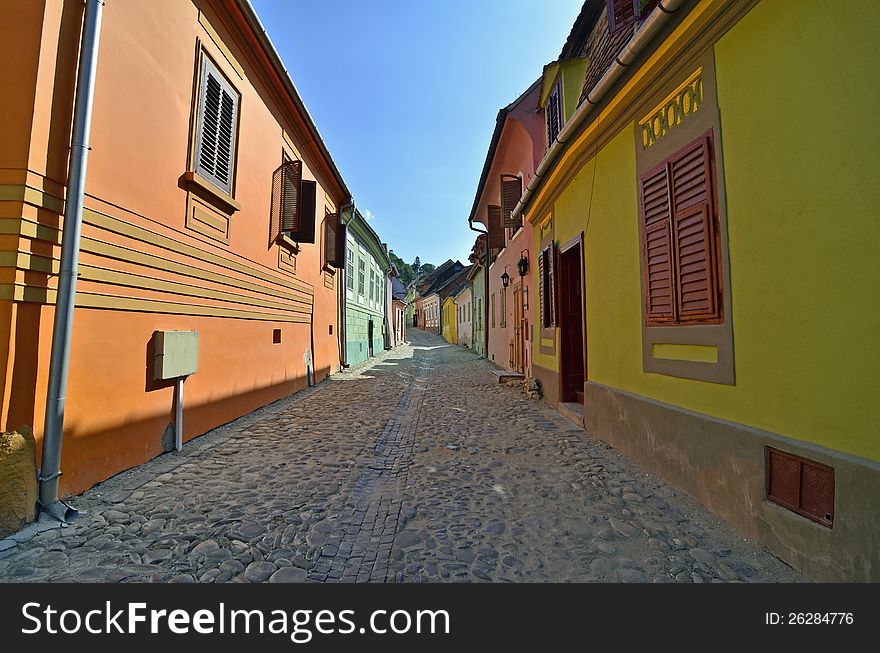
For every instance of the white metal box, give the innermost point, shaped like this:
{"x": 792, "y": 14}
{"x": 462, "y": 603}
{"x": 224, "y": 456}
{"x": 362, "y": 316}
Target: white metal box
{"x": 176, "y": 354}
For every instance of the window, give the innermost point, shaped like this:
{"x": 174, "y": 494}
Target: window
{"x": 503, "y": 307}
{"x": 362, "y": 274}
{"x": 372, "y": 284}
{"x": 334, "y": 239}
{"x": 547, "y": 287}
{"x": 511, "y": 191}
{"x": 625, "y": 12}
{"x": 217, "y": 122}
{"x": 679, "y": 238}
{"x": 349, "y": 268}
{"x": 553, "y": 114}
{"x": 493, "y": 310}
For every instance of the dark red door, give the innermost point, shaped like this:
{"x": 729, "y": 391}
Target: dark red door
{"x": 571, "y": 322}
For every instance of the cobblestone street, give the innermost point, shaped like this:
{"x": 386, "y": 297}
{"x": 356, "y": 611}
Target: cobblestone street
{"x": 416, "y": 467}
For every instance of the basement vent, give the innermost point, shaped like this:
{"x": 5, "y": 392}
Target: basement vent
{"x": 801, "y": 485}
{"x": 276, "y": 336}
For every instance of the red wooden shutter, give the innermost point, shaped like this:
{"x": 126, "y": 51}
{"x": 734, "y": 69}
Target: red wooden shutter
{"x": 657, "y": 260}
{"x": 511, "y": 191}
{"x": 286, "y": 182}
{"x": 496, "y": 229}
{"x": 693, "y": 232}
{"x": 622, "y": 13}
{"x": 305, "y": 233}
{"x": 542, "y": 307}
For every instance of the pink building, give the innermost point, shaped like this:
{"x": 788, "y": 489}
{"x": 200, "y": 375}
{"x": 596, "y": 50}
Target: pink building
{"x": 515, "y": 150}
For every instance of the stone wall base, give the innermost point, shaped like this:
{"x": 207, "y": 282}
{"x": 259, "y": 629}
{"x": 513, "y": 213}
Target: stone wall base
{"x": 18, "y": 480}
{"x": 722, "y": 465}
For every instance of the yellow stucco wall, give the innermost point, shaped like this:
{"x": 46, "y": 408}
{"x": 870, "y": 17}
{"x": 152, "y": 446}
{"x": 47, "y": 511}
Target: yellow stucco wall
{"x": 799, "y": 151}
{"x": 449, "y": 321}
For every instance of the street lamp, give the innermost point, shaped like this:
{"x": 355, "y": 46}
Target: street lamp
{"x": 523, "y": 263}
{"x": 505, "y": 278}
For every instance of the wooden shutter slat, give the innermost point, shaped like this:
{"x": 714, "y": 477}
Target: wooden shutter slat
{"x": 496, "y": 229}
{"x": 511, "y": 191}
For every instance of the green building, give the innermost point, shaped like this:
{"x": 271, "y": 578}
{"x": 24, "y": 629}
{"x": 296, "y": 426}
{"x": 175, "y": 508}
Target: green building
{"x": 366, "y": 291}
{"x": 476, "y": 281}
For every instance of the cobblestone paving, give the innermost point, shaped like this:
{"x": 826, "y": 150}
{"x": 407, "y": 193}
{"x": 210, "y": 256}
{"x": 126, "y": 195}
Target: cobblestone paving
{"x": 416, "y": 467}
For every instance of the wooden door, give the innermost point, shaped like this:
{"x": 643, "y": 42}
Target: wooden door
{"x": 571, "y": 323}
{"x": 517, "y": 328}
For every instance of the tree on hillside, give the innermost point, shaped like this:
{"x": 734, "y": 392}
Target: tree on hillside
{"x": 427, "y": 268}
{"x": 404, "y": 270}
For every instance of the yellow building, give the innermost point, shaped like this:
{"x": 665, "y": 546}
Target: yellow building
{"x": 449, "y": 321}
{"x": 706, "y": 246}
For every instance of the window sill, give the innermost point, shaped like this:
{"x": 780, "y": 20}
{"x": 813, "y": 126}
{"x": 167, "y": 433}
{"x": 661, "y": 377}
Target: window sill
{"x": 195, "y": 182}
{"x": 286, "y": 241}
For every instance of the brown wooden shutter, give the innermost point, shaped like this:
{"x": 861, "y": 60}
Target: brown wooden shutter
{"x": 496, "y": 229}
{"x": 306, "y": 222}
{"x": 331, "y": 240}
{"x": 693, "y": 231}
{"x": 511, "y": 191}
{"x": 622, "y": 13}
{"x": 657, "y": 261}
{"x": 542, "y": 307}
{"x": 554, "y": 115}
{"x": 551, "y": 283}
{"x": 341, "y": 235}
{"x": 286, "y": 183}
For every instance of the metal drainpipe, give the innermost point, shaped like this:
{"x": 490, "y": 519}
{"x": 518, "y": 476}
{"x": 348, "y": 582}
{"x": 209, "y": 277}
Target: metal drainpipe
{"x": 50, "y": 468}
{"x": 485, "y": 290}
{"x": 343, "y": 350}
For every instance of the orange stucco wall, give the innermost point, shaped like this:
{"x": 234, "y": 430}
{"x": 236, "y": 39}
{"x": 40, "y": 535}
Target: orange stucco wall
{"x": 142, "y": 268}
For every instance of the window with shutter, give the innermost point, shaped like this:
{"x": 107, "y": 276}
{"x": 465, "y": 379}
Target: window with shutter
{"x": 679, "y": 238}
{"x": 553, "y": 114}
{"x": 217, "y": 121}
{"x": 333, "y": 242}
{"x": 511, "y": 191}
{"x": 496, "y": 229}
{"x": 362, "y": 274}
{"x": 349, "y": 269}
{"x": 503, "y": 307}
{"x": 547, "y": 286}
{"x": 286, "y": 184}
{"x": 304, "y": 227}
{"x": 625, "y": 12}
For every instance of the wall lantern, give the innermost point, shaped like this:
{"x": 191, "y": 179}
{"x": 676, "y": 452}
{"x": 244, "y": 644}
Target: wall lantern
{"x": 523, "y": 264}
{"x": 505, "y": 278}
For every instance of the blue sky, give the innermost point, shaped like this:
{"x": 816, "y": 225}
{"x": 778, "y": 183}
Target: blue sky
{"x": 405, "y": 95}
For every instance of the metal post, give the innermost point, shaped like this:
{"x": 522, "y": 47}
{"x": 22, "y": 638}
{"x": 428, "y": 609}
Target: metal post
{"x": 178, "y": 413}
{"x": 50, "y": 468}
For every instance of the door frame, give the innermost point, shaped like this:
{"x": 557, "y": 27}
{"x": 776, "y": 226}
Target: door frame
{"x": 575, "y": 242}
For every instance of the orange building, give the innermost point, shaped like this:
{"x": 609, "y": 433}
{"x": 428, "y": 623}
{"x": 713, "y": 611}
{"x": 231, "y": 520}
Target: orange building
{"x": 193, "y": 116}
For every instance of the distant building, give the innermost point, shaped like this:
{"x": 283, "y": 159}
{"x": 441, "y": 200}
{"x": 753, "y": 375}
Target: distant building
{"x": 367, "y": 264}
